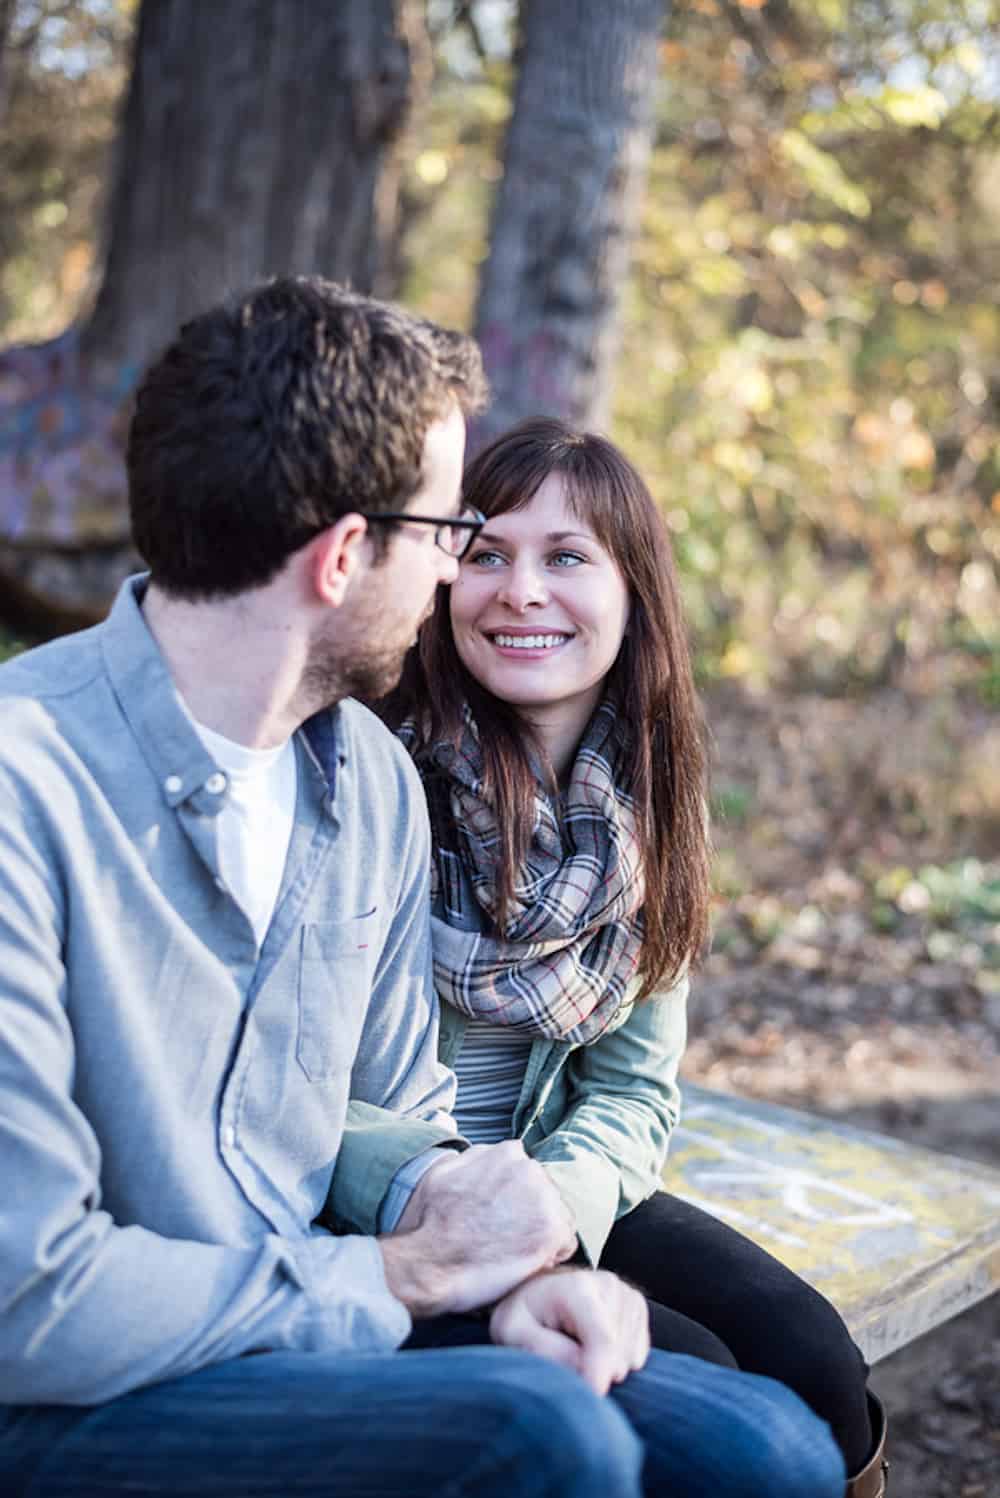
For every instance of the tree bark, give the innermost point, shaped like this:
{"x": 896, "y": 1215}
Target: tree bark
{"x": 257, "y": 137}
{"x": 574, "y": 167}
{"x": 6, "y": 22}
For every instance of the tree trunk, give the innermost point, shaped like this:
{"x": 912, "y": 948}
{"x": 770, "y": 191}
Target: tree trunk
{"x": 257, "y": 137}
{"x": 6, "y": 23}
{"x": 574, "y": 167}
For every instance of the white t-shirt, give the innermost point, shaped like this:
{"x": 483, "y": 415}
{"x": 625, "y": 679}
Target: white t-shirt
{"x": 255, "y": 823}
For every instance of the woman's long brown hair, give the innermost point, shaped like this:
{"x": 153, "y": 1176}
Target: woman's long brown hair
{"x": 651, "y": 680}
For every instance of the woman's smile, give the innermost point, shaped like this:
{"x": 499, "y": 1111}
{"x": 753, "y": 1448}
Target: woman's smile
{"x": 527, "y": 646}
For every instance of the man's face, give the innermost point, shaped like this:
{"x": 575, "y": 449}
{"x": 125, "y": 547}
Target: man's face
{"x": 392, "y": 597}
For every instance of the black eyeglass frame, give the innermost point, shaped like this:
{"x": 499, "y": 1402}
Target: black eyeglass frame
{"x": 470, "y": 520}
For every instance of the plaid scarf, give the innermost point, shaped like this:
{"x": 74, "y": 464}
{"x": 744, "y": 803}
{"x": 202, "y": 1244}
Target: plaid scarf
{"x": 573, "y": 935}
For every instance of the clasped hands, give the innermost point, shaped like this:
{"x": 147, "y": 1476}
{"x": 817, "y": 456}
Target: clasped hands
{"x": 488, "y": 1228}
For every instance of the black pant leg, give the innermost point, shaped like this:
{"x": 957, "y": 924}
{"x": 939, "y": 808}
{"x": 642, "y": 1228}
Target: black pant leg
{"x": 772, "y": 1320}
{"x": 670, "y": 1331}
{"x": 453, "y": 1330}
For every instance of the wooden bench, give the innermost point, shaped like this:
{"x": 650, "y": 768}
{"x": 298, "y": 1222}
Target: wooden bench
{"x": 899, "y": 1238}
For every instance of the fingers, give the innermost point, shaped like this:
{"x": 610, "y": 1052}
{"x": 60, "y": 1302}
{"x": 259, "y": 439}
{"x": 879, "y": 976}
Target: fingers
{"x": 640, "y": 1332}
{"x": 515, "y": 1326}
{"x": 477, "y": 1282}
{"x": 566, "y": 1249}
{"x": 606, "y": 1319}
{"x": 630, "y": 1312}
{"x": 604, "y": 1353}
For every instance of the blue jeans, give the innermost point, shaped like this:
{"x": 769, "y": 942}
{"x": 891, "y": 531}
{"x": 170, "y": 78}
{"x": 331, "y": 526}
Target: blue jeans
{"x": 484, "y": 1421}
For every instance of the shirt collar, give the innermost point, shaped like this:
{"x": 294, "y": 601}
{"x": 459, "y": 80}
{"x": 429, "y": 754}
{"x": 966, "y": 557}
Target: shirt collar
{"x": 156, "y": 714}
{"x": 150, "y": 700}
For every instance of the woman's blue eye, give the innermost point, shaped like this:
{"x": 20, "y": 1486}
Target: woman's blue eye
{"x": 490, "y": 559}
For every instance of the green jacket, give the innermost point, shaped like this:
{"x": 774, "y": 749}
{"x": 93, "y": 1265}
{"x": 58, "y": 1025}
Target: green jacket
{"x": 599, "y": 1117}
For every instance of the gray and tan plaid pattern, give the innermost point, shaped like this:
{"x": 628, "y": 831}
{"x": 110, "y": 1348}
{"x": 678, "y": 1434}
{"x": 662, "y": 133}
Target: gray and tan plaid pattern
{"x": 573, "y": 936}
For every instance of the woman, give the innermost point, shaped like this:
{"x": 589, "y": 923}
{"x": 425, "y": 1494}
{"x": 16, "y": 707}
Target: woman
{"x": 551, "y": 711}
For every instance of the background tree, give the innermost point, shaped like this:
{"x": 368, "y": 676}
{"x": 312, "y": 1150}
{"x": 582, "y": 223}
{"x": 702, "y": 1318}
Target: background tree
{"x": 6, "y": 22}
{"x": 256, "y": 134}
{"x": 810, "y": 328}
{"x": 566, "y": 207}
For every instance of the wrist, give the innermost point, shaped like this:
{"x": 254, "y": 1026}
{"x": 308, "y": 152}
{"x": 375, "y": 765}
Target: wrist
{"x": 411, "y": 1276}
{"x": 412, "y": 1215}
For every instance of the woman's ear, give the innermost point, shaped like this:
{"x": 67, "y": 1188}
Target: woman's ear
{"x": 336, "y": 556}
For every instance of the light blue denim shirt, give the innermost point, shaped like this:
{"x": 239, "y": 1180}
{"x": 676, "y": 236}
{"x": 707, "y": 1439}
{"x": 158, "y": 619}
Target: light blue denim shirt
{"x": 172, "y": 1098}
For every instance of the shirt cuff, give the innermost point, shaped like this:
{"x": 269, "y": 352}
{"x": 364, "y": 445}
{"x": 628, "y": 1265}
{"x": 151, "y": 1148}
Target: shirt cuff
{"x": 402, "y": 1187}
{"x": 345, "y": 1305}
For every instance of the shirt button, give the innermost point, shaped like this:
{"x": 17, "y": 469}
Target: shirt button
{"x": 229, "y": 1136}
{"x": 216, "y": 783}
{"x": 172, "y": 784}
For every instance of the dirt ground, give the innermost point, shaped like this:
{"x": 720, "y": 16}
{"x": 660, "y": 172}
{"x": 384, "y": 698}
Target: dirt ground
{"x": 827, "y": 991}
{"x": 943, "y": 1391}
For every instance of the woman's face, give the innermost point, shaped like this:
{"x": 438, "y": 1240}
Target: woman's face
{"x": 539, "y": 610}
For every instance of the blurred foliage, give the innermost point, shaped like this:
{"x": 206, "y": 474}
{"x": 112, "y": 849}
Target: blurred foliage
{"x": 945, "y": 917}
{"x": 814, "y": 313}
{"x": 8, "y": 646}
{"x": 810, "y": 372}
{"x": 955, "y": 892}
{"x": 810, "y": 368}
{"x": 64, "y": 66}
{"x": 809, "y": 379}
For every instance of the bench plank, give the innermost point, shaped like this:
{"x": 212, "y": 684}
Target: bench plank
{"x": 899, "y": 1238}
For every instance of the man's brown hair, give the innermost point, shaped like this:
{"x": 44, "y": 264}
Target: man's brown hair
{"x": 275, "y": 413}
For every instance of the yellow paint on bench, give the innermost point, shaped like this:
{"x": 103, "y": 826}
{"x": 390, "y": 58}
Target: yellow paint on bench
{"x": 899, "y": 1238}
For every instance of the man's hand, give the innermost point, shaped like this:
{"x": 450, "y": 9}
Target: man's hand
{"x": 477, "y": 1224}
{"x": 585, "y": 1319}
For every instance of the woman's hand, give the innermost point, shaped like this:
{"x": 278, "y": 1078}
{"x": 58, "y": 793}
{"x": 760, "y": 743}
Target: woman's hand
{"x": 585, "y": 1319}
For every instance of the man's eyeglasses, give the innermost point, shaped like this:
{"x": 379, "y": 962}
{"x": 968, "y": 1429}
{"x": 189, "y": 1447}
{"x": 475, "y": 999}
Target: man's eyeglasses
{"x": 454, "y": 535}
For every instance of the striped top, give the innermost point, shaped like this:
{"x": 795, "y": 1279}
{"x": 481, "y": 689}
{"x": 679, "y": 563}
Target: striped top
{"x": 490, "y": 1068}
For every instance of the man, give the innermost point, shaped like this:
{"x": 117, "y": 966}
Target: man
{"x": 213, "y": 931}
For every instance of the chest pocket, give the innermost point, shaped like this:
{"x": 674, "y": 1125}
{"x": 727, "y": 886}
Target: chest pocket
{"x": 336, "y": 964}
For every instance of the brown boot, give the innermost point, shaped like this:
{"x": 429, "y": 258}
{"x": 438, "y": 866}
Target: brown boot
{"x": 871, "y": 1481}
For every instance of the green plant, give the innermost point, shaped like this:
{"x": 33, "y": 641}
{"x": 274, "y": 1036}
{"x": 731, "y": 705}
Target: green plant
{"x": 8, "y": 646}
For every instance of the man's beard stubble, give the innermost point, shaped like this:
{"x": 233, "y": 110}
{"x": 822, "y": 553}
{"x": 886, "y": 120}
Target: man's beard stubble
{"x": 370, "y": 674}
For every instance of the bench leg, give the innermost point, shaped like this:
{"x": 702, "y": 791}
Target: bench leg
{"x": 871, "y": 1481}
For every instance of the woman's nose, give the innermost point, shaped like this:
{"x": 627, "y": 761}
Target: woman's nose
{"x": 523, "y": 586}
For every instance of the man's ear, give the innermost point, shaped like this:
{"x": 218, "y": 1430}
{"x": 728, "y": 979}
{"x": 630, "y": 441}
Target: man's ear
{"x": 336, "y": 556}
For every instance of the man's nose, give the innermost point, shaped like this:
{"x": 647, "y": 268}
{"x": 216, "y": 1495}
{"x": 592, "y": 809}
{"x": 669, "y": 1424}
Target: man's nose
{"x": 523, "y": 586}
{"x": 449, "y": 568}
